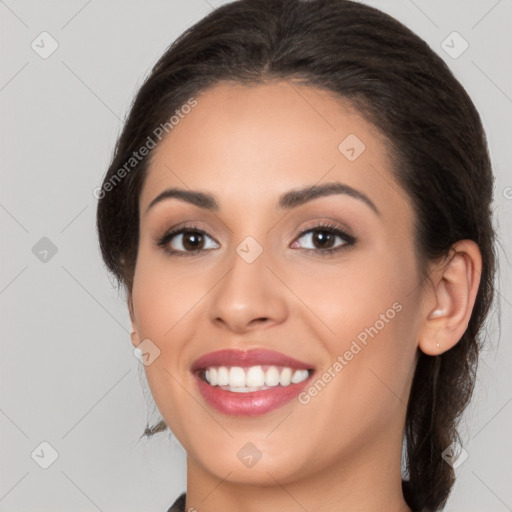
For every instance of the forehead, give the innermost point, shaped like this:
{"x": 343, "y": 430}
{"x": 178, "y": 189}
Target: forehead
{"x": 254, "y": 142}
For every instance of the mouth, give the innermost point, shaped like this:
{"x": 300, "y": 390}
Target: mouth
{"x": 249, "y": 382}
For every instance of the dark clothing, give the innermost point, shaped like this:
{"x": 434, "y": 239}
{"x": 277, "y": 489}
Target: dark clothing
{"x": 179, "y": 504}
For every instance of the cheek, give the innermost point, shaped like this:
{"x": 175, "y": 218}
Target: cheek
{"x": 162, "y": 297}
{"x": 159, "y": 305}
{"x": 366, "y": 314}
{"x": 345, "y": 298}
{"x": 161, "y": 302}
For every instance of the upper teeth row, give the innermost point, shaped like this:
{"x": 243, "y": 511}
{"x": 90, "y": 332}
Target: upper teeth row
{"x": 254, "y": 376}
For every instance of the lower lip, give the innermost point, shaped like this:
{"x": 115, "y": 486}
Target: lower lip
{"x": 252, "y": 403}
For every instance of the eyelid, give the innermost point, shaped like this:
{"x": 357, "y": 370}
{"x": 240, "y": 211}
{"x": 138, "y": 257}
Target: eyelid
{"x": 327, "y": 222}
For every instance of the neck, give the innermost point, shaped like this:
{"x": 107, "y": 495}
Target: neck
{"x": 368, "y": 479}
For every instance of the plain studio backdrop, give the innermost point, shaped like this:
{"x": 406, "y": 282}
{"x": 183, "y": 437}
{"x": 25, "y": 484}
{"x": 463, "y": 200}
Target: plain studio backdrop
{"x": 72, "y": 398}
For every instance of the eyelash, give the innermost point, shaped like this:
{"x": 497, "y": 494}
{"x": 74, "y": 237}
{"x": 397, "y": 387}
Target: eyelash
{"x": 329, "y": 228}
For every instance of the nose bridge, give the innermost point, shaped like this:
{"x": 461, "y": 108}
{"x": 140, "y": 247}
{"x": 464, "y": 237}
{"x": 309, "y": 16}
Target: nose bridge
{"x": 248, "y": 293}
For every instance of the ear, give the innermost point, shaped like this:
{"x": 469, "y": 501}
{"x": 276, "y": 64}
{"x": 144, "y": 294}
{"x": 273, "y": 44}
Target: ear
{"x": 135, "y": 333}
{"x": 453, "y": 297}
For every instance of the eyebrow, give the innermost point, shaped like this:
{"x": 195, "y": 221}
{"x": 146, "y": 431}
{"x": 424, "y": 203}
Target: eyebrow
{"x": 287, "y": 201}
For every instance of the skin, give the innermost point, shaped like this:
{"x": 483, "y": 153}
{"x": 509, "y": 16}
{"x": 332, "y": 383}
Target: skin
{"x": 247, "y": 146}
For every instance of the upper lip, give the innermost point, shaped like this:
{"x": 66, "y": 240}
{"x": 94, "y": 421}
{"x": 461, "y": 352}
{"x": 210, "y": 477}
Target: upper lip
{"x": 244, "y": 358}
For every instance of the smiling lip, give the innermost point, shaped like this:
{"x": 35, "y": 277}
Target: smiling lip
{"x": 244, "y": 358}
{"x": 254, "y": 402}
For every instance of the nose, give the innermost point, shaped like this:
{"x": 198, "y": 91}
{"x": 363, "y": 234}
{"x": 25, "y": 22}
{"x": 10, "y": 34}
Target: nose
{"x": 249, "y": 296}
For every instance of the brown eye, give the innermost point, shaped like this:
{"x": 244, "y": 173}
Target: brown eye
{"x": 323, "y": 239}
{"x": 192, "y": 240}
{"x": 186, "y": 240}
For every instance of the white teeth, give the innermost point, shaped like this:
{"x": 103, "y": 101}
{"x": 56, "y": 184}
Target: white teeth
{"x": 272, "y": 376}
{"x": 285, "y": 377}
{"x": 299, "y": 376}
{"x": 222, "y": 376}
{"x": 236, "y": 377}
{"x": 253, "y": 378}
{"x": 212, "y": 376}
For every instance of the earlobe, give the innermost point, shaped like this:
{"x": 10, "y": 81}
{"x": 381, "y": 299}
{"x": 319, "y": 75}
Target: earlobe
{"x": 437, "y": 313}
{"x": 454, "y": 292}
{"x": 135, "y": 338}
{"x": 134, "y": 332}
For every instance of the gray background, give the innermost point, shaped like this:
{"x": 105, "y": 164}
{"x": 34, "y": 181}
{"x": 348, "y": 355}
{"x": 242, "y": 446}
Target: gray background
{"x": 68, "y": 373}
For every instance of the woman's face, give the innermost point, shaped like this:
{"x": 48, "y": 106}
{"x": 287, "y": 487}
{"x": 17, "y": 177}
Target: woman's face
{"x": 259, "y": 275}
